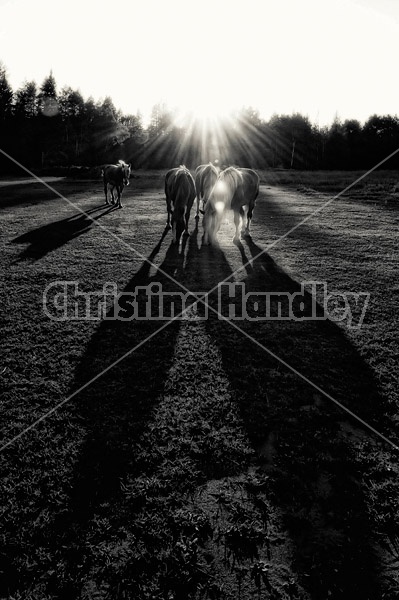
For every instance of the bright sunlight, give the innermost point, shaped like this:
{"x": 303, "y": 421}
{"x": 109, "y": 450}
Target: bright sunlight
{"x": 211, "y": 57}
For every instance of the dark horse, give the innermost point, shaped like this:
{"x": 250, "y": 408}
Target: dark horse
{"x": 205, "y": 179}
{"x": 237, "y": 190}
{"x": 180, "y": 194}
{"x": 115, "y": 176}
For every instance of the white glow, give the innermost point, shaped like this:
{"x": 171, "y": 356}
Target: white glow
{"x": 219, "y": 206}
{"x": 318, "y": 58}
{"x": 220, "y": 186}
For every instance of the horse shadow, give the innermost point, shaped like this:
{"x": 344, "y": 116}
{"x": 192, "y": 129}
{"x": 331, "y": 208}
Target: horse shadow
{"x": 51, "y": 236}
{"x": 298, "y": 437}
{"x": 116, "y": 408}
{"x": 303, "y": 442}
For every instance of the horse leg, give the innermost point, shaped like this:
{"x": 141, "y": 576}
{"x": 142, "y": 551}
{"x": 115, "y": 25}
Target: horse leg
{"x": 119, "y": 191}
{"x": 205, "y": 225}
{"x": 209, "y": 235}
{"x": 237, "y": 218}
{"x": 188, "y": 212}
{"x": 249, "y": 217}
{"x": 106, "y": 192}
{"x": 174, "y": 226}
{"x": 168, "y": 210}
{"x": 244, "y": 216}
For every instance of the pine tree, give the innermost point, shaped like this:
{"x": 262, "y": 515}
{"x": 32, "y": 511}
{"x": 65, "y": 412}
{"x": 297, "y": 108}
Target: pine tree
{"x": 26, "y": 100}
{"x": 6, "y": 95}
{"x": 48, "y": 99}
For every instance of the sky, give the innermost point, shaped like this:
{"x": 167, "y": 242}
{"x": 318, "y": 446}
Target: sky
{"x": 322, "y": 58}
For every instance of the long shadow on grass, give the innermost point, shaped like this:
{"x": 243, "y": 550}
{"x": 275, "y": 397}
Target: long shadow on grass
{"x": 301, "y": 443}
{"x": 114, "y": 412}
{"x": 302, "y": 439}
{"x": 49, "y": 237}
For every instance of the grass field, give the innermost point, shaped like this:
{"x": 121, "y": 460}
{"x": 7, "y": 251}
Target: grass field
{"x": 210, "y": 461}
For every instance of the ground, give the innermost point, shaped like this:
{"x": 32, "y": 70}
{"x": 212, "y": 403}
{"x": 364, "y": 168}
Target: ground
{"x": 200, "y": 457}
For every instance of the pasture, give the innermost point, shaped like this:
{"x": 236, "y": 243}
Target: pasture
{"x": 200, "y": 465}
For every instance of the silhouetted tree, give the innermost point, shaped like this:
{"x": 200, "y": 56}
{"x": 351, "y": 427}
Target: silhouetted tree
{"x": 381, "y": 137}
{"x": 291, "y": 141}
{"x": 6, "y": 122}
{"x": 43, "y": 128}
{"x": 47, "y": 97}
{"x": 336, "y": 151}
{"x": 353, "y": 139}
{"x": 26, "y": 101}
{"x": 71, "y": 106}
{"x": 6, "y": 95}
{"x": 134, "y": 125}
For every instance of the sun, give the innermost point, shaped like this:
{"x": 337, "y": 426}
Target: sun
{"x": 205, "y": 116}
{"x": 206, "y": 112}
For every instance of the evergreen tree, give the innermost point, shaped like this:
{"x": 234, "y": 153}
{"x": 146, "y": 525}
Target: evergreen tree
{"x": 48, "y": 104}
{"x": 26, "y": 101}
{"x": 6, "y": 95}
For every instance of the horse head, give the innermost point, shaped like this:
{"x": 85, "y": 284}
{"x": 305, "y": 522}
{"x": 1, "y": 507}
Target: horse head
{"x": 126, "y": 170}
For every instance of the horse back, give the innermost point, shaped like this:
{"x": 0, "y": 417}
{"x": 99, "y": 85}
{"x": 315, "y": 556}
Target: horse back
{"x": 113, "y": 174}
{"x": 180, "y": 189}
{"x": 205, "y": 178}
{"x": 251, "y": 181}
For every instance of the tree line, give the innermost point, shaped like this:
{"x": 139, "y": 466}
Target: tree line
{"x": 44, "y": 128}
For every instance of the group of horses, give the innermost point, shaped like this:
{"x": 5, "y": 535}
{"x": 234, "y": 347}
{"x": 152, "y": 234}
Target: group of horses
{"x": 233, "y": 189}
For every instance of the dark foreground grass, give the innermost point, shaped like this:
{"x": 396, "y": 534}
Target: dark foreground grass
{"x": 199, "y": 466}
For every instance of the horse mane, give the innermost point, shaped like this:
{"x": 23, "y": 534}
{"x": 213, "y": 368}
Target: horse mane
{"x": 233, "y": 175}
{"x": 225, "y": 187}
{"x": 208, "y": 172}
{"x": 122, "y": 163}
{"x": 182, "y": 173}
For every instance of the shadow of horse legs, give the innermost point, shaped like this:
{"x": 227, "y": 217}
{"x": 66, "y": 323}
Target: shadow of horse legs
{"x": 302, "y": 439}
{"x": 49, "y": 237}
{"x": 115, "y": 411}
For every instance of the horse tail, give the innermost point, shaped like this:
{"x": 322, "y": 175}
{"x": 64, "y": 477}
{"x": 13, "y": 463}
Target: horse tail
{"x": 207, "y": 175}
{"x": 201, "y": 182}
{"x": 181, "y": 193}
{"x": 257, "y": 187}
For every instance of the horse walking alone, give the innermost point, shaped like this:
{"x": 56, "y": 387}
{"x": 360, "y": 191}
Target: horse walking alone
{"x": 115, "y": 176}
